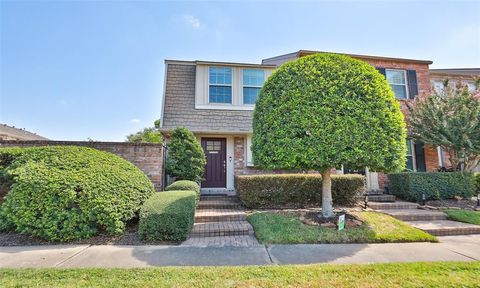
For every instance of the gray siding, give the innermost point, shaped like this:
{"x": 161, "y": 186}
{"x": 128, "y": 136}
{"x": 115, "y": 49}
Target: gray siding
{"x": 179, "y": 106}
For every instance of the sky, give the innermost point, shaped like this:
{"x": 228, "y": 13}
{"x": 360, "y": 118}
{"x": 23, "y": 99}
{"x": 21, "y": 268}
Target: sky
{"x": 78, "y": 70}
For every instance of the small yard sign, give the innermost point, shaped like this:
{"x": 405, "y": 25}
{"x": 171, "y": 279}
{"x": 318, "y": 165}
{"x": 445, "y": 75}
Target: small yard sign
{"x": 341, "y": 222}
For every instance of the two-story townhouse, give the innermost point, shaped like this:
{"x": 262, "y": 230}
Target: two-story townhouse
{"x": 215, "y": 100}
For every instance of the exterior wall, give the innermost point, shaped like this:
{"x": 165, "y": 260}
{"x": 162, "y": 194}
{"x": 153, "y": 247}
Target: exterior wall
{"x": 179, "y": 106}
{"x": 147, "y": 157}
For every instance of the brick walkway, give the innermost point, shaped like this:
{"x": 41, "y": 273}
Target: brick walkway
{"x": 221, "y": 221}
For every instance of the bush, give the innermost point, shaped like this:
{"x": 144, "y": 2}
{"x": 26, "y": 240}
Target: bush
{"x": 185, "y": 159}
{"x": 436, "y": 185}
{"x": 67, "y": 192}
{"x": 167, "y": 216}
{"x": 183, "y": 185}
{"x": 296, "y": 190}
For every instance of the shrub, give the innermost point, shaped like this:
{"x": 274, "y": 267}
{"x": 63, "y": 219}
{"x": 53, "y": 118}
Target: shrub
{"x": 67, "y": 192}
{"x": 436, "y": 185}
{"x": 185, "y": 159}
{"x": 183, "y": 185}
{"x": 326, "y": 110}
{"x": 167, "y": 216}
{"x": 296, "y": 190}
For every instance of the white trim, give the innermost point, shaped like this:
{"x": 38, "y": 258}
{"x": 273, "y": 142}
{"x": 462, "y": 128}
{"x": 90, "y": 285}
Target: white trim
{"x": 162, "y": 109}
{"x": 440, "y": 157}
{"x": 218, "y": 106}
{"x": 407, "y": 96}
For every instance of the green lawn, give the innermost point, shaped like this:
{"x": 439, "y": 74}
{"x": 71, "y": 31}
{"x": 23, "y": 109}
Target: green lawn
{"x": 439, "y": 274}
{"x": 278, "y": 228}
{"x": 467, "y": 216}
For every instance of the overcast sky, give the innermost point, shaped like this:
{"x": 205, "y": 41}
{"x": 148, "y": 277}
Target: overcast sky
{"x": 76, "y": 69}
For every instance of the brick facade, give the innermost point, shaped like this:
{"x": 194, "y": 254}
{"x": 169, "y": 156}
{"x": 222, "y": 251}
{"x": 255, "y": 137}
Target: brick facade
{"x": 147, "y": 157}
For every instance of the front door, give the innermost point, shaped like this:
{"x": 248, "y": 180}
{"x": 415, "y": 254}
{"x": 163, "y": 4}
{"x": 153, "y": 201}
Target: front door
{"x": 216, "y": 169}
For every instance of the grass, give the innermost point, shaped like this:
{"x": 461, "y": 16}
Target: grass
{"x": 278, "y": 228}
{"x": 439, "y": 274}
{"x": 467, "y": 216}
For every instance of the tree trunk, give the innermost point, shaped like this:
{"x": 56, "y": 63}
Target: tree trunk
{"x": 327, "y": 202}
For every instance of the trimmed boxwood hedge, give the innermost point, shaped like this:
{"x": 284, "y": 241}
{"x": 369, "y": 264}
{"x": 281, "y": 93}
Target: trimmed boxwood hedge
{"x": 167, "y": 216}
{"x": 436, "y": 185}
{"x": 63, "y": 193}
{"x": 277, "y": 191}
{"x": 182, "y": 185}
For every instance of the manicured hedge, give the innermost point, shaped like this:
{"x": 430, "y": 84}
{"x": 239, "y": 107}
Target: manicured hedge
{"x": 296, "y": 190}
{"x": 167, "y": 216}
{"x": 436, "y": 185}
{"x": 182, "y": 185}
{"x": 67, "y": 192}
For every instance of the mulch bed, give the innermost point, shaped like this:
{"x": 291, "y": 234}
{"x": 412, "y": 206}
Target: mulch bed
{"x": 313, "y": 217}
{"x": 453, "y": 203}
{"x": 129, "y": 237}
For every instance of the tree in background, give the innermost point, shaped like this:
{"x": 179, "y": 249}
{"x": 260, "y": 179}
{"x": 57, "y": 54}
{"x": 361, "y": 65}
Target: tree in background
{"x": 324, "y": 111}
{"x": 449, "y": 118}
{"x": 185, "y": 159}
{"x": 147, "y": 135}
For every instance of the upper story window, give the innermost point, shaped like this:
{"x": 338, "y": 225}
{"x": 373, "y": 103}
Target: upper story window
{"x": 252, "y": 83}
{"x": 398, "y": 81}
{"x": 220, "y": 85}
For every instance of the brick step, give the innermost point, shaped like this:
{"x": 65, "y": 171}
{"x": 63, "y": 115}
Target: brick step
{"x": 231, "y": 228}
{"x": 220, "y": 203}
{"x": 375, "y": 192}
{"x": 378, "y": 198}
{"x": 415, "y": 214}
{"x": 392, "y": 205}
{"x": 219, "y": 215}
{"x": 446, "y": 227}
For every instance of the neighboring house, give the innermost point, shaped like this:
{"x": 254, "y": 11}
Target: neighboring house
{"x": 215, "y": 100}
{"x": 12, "y": 133}
{"x": 455, "y": 76}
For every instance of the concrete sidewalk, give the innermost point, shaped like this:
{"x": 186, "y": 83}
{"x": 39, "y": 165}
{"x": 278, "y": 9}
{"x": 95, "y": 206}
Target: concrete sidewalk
{"x": 451, "y": 248}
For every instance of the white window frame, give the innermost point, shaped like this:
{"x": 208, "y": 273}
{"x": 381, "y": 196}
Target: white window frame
{"x": 406, "y": 82}
{"x": 251, "y": 86}
{"x": 412, "y": 148}
{"x": 224, "y": 85}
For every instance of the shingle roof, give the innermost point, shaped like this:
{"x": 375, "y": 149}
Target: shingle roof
{"x": 12, "y": 133}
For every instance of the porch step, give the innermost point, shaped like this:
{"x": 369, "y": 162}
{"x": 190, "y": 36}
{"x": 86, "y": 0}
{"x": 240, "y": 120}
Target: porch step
{"x": 378, "y": 198}
{"x": 219, "y": 203}
{"x": 219, "y": 215}
{"x": 446, "y": 227}
{"x": 415, "y": 214}
{"x": 229, "y": 228}
{"x": 392, "y": 205}
{"x": 375, "y": 192}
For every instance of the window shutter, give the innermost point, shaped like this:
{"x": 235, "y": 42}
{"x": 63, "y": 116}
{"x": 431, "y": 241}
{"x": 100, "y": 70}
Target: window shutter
{"x": 412, "y": 83}
{"x": 420, "y": 156}
{"x": 382, "y": 71}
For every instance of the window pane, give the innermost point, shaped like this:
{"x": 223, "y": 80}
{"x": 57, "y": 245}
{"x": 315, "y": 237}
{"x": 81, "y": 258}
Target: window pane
{"x": 253, "y": 77}
{"x": 400, "y": 91}
{"x": 410, "y": 163}
{"x": 395, "y": 76}
{"x": 220, "y": 94}
{"x": 409, "y": 147}
{"x": 220, "y": 75}
{"x": 250, "y": 95}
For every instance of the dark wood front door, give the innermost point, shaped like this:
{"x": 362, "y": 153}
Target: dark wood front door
{"x": 216, "y": 168}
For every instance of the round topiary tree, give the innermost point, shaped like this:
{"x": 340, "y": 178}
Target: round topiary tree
{"x": 67, "y": 192}
{"x": 324, "y": 111}
{"x": 185, "y": 159}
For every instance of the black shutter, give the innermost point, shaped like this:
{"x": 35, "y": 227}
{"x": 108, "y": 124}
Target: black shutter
{"x": 420, "y": 156}
{"x": 412, "y": 83}
{"x": 382, "y": 71}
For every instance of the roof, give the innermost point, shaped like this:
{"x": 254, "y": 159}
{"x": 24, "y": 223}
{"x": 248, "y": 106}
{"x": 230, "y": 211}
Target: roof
{"x": 301, "y": 53}
{"x": 12, "y": 133}
{"x": 217, "y": 63}
{"x": 457, "y": 71}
